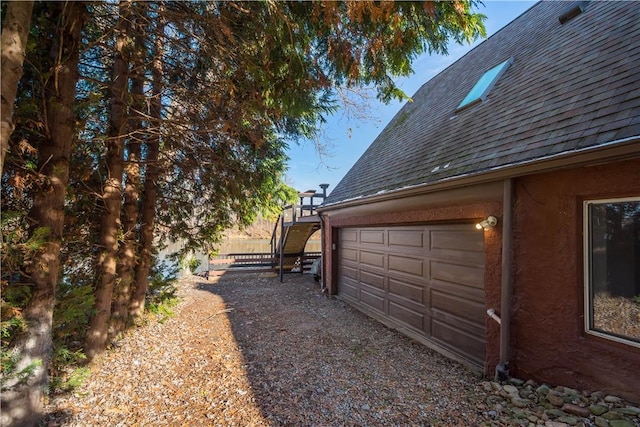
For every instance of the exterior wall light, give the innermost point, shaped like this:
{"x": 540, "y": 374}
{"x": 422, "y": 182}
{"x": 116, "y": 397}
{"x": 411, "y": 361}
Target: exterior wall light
{"x": 488, "y": 223}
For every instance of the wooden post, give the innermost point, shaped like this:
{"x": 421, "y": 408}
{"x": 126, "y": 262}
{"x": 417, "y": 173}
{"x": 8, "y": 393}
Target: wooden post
{"x": 282, "y": 250}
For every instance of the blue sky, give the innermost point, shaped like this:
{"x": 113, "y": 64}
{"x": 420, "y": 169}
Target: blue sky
{"x": 347, "y": 138}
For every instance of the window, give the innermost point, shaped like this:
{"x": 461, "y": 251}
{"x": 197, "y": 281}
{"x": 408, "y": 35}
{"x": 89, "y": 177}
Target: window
{"x": 479, "y": 92}
{"x": 612, "y": 269}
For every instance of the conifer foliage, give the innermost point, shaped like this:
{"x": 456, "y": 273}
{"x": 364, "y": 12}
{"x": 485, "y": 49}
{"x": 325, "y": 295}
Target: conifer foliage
{"x": 138, "y": 122}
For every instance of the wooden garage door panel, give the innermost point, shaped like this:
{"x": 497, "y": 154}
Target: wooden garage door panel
{"x": 406, "y": 290}
{"x": 404, "y": 264}
{"x": 406, "y": 238}
{"x": 349, "y": 288}
{"x": 372, "y": 279}
{"x": 406, "y": 315}
{"x": 348, "y": 235}
{"x": 426, "y": 279}
{"x": 462, "y": 291}
{"x": 459, "y": 340}
{"x": 372, "y": 236}
{"x": 459, "y": 245}
{"x": 471, "y": 328}
{"x": 373, "y": 259}
{"x": 349, "y": 272}
{"x": 348, "y": 254}
{"x": 457, "y": 273}
{"x": 462, "y": 240}
{"x": 457, "y": 306}
{"x": 371, "y": 299}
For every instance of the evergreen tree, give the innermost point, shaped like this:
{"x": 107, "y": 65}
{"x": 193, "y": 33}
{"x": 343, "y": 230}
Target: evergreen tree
{"x": 22, "y": 393}
{"x": 15, "y": 29}
{"x": 110, "y": 225}
{"x": 187, "y": 106}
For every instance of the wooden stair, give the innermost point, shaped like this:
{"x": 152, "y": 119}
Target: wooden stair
{"x": 295, "y": 239}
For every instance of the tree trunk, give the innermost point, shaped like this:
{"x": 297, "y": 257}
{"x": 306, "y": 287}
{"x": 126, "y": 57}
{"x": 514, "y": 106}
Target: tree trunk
{"x": 112, "y": 191}
{"x": 130, "y": 211}
{"x": 17, "y": 21}
{"x": 148, "y": 209}
{"x": 128, "y": 250}
{"x": 22, "y": 401}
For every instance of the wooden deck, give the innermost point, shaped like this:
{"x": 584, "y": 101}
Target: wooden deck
{"x": 292, "y": 230}
{"x": 258, "y": 262}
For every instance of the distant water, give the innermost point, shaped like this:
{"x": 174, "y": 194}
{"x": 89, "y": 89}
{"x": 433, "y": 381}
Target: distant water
{"x": 258, "y": 245}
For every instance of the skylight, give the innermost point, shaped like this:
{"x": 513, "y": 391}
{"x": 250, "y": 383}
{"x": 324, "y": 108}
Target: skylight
{"x": 479, "y": 92}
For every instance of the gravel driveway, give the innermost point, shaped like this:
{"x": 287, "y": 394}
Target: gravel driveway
{"x": 247, "y": 350}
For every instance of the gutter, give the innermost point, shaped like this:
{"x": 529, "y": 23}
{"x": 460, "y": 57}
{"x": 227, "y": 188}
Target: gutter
{"x": 625, "y": 148}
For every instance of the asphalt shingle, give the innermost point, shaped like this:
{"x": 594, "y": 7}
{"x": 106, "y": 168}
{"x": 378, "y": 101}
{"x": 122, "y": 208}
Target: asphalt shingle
{"x": 571, "y": 86}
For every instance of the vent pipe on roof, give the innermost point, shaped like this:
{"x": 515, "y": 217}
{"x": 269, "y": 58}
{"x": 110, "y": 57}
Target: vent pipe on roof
{"x": 573, "y": 11}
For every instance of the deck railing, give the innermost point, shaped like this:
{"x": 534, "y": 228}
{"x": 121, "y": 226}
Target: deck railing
{"x": 269, "y": 261}
{"x": 243, "y": 262}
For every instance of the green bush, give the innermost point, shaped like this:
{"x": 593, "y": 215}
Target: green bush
{"x": 189, "y": 262}
{"x": 70, "y": 382}
{"x": 161, "y": 295}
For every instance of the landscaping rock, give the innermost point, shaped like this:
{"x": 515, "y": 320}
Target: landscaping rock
{"x": 555, "y": 413}
{"x": 568, "y": 420}
{"x": 598, "y": 409}
{"x": 576, "y": 410}
{"x": 543, "y": 390}
{"x": 572, "y": 398}
{"x": 519, "y": 413}
{"x": 557, "y": 401}
{"x": 621, "y": 423}
{"x": 613, "y": 415}
{"x": 518, "y": 403}
{"x": 516, "y": 381}
{"x": 511, "y": 389}
{"x": 629, "y": 410}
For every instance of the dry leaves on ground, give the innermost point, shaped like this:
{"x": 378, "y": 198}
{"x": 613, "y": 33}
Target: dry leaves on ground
{"x": 247, "y": 350}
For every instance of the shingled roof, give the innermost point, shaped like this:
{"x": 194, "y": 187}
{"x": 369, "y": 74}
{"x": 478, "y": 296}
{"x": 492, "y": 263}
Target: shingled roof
{"x": 570, "y": 87}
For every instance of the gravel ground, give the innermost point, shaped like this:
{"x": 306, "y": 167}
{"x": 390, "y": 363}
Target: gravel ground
{"x": 247, "y": 350}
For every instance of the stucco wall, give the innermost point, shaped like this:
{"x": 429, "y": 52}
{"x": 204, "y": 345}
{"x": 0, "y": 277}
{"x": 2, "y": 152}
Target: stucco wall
{"x": 459, "y": 213}
{"x": 548, "y": 339}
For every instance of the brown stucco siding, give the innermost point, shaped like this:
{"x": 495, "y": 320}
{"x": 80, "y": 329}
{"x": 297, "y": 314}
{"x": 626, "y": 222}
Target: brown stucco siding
{"x": 548, "y": 339}
{"x": 450, "y": 214}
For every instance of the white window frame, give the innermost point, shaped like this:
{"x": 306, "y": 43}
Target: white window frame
{"x": 588, "y": 297}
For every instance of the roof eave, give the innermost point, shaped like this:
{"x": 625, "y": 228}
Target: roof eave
{"x": 626, "y": 148}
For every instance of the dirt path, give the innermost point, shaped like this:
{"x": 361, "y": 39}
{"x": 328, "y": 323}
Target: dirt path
{"x": 247, "y": 350}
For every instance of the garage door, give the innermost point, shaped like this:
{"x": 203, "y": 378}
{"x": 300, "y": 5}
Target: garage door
{"x": 426, "y": 281}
